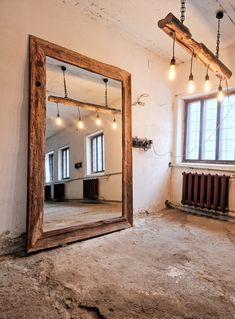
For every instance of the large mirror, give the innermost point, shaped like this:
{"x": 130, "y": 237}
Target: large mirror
{"x": 83, "y": 159}
{"x": 79, "y": 182}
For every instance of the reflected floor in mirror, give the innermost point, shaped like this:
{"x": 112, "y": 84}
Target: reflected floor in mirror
{"x": 58, "y": 215}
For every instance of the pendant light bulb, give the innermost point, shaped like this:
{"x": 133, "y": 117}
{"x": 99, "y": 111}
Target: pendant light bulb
{"x": 80, "y": 123}
{"x": 220, "y": 94}
{"x": 58, "y": 120}
{"x": 207, "y": 85}
{"x": 172, "y": 73}
{"x": 191, "y": 86}
{"x": 114, "y": 124}
{"x": 98, "y": 121}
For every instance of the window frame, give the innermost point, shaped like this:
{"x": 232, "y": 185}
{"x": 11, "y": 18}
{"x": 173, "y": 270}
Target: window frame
{"x": 201, "y": 99}
{"x": 63, "y": 149}
{"x": 92, "y": 138}
{"x": 51, "y": 168}
{"x": 47, "y": 163}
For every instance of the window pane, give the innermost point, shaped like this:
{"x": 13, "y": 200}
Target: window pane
{"x": 51, "y": 168}
{"x": 94, "y": 155}
{"x": 209, "y": 129}
{"x": 67, "y": 164}
{"x": 193, "y": 128}
{"x": 99, "y": 146}
{"x": 227, "y": 129}
{"x": 97, "y": 158}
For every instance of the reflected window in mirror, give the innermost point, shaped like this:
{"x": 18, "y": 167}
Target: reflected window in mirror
{"x": 97, "y": 153}
{"x": 49, "y": 167}
{"x": 64, "y": 163}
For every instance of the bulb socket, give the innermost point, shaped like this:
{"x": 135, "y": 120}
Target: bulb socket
{"x": 207, "y": 77}
{"x": 173, "y": 61}
{"x": 190, "y": 77}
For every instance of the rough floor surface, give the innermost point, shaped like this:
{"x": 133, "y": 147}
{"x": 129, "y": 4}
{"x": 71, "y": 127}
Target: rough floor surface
{"x": 170, "y": 265}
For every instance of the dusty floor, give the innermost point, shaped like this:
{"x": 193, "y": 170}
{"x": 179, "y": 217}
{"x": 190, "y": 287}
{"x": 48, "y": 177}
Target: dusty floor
{"x": 170, "y": 265}
{"x": 71, "y": 213}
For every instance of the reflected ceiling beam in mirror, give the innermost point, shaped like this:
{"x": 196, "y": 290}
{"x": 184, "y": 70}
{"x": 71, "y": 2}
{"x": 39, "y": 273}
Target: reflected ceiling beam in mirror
{"x": 88, "y": 106}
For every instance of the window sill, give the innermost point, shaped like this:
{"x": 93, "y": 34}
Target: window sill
{"x": 214, "y": 167}
{"x": 95, "y": 175}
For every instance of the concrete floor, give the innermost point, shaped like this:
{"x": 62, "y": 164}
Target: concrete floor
{"x": 170, "y": 265}
{"x": 59, "y": 215}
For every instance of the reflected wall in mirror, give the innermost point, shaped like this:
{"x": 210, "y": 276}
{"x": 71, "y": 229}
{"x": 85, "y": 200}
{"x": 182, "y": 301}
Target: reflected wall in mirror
{"x": 83, "y": 157}
{"x": 80, "y": 150}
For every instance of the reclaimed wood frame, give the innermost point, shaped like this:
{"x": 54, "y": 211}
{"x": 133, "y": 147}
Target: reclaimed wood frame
{"x": 173, "y": 27}
{"x": 36, "y": 238}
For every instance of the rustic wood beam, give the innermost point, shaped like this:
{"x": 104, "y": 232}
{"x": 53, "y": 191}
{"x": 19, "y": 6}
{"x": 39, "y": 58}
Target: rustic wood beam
{"x": 85, "y": 105}
{"x": 171, "y": 25}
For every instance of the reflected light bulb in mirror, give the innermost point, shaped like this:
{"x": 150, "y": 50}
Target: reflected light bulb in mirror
{"x": 58, "y": 120}
{"x": 172, "y": 73}
{"x": 114, "y": 124}
{"x": 80, "y": 124}
{"x": 220, "y": 94}
{"x": 98, "y": 121}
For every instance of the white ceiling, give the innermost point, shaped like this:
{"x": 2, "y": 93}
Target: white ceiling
{"x": 138, "y": 20}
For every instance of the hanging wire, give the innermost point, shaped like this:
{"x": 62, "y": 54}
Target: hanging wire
{"x": 207, "y": 72}
{"x": 182, "y": 10}
{"x": 79, "y": 114}
{"x": 63, "y": 68}
{"x": 58, "y": 113}
{"x": 191, "y": 63}
{"x": 173, "y": 45}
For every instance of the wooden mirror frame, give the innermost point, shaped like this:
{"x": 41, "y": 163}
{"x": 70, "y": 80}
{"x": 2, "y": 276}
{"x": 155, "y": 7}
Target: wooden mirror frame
{"x": 36, "y": 238}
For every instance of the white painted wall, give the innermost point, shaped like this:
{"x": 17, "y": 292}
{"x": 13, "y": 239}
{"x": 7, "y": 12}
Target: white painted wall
{"x": 227, "y": 56}
{"x": 64, "y": 25}
{"x": 110, "y": 188}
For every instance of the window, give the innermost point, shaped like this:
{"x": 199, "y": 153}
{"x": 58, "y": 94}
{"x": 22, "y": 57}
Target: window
{"x": 210, "y": 130}
{"x": 65, "y": 162}
{"x": 97, "y": 153}
{"x": 49, "y": 167}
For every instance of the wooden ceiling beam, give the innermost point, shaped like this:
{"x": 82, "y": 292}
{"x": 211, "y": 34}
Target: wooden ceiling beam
{"x": 85, "y": 105}
{"x": 170, "y": 25}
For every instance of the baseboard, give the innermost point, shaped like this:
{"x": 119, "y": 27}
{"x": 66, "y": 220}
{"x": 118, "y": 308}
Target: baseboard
{"x": 230, "y": 216}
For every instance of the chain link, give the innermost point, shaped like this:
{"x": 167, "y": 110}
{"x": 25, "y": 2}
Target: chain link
{"x": 65, "y": 87}
{"x": 218, "y": 39}
{"x": 182, "y": 10}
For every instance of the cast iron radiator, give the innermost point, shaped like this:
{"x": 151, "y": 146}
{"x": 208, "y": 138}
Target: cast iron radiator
{"x": 47, "y": 191}
{"x": 205, "y": 191}
{"x": 91, "y": 188}
{"x": 59, "y": 191}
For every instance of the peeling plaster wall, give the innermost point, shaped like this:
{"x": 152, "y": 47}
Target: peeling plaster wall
{"x": 64, "y": 25}
{"x": 226, "y": 56}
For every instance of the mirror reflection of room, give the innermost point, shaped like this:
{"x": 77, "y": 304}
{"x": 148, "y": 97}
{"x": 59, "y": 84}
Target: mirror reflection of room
{"x": 83, "y": 156}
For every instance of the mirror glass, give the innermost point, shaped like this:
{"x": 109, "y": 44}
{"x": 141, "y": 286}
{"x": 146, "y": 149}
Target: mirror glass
{"x": 83, "y": 152}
